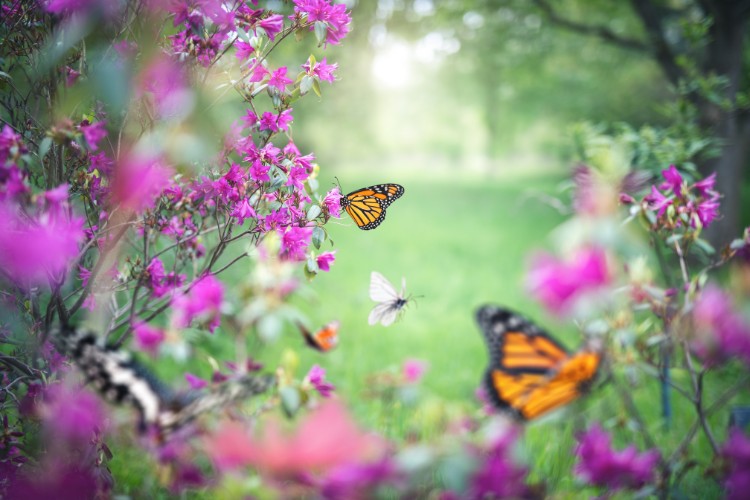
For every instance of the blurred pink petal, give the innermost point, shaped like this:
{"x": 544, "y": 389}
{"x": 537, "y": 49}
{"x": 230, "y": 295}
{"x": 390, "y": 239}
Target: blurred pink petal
{"x": 325, "y": 438}
{"x": 139, "y": 180}
{"x": 414, "y": 370}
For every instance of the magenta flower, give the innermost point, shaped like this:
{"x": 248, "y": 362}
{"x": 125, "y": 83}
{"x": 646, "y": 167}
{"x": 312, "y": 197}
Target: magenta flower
{"x": 294, "y": 243}
{"x": 139, "y": 180}
{"x": 38, "y": 250}
{"x": 657, "y": 201}
{"x": 706, "y": 211}
{"x": 148, "y": 338}
{"x": 325, "y": 260}
{"x": 599, "y": 464}
{"x": 321, "y": 70}
{"x": 72, "y": 414}
{"x": 244, "y": 50}
{"x": 359, "y": 480}
{"x": 498, "y": 475}
{"x": 272, "y": 25}
{"x": 673, "y": 180}
{"x": 194, "y": 382}
{"x": 71, "y": 76}
{"x": 557, "y": 284}
{"x": 165, "y": 80}
{"x": 278, "y": 79}
{"x": 296, "y": 178}
{"x": 93, "y": 133}
{"x": 259, "y": 72}
{"x": 332, "y": 202}
{"x": 274, "y": 122}
{"x": 705, "y": 187}
{"x": 334, "y": 16}
{"x": 736, "y": 451}
{"x": 721, "y": 332}
{"x": 326, "y": 438}
{"x": 250, "y": 119}
{"x": 317, "y": 377}
{"x": 414, "y": 370}
{"x": 202, "y": 303}
{"x": 243, "y": 210}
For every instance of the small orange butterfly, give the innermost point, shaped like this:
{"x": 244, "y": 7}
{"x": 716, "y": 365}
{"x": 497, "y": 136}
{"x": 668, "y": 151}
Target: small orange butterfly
{"x": 367, "y": 206}
{"x": 530, "y": 373}
{"x": 324, "y": 339}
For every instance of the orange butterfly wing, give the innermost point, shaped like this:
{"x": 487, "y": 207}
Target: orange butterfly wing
{"x": 530, "y": 373}
{"x": 324, "y": 339}
{"x": 367, "y": 206}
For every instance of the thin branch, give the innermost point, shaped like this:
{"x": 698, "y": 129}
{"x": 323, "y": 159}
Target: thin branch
{"x": 602, "y": 32}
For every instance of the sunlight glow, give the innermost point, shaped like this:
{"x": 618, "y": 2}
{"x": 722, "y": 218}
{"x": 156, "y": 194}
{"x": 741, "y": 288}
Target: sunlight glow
{"x": 393, "y": 65}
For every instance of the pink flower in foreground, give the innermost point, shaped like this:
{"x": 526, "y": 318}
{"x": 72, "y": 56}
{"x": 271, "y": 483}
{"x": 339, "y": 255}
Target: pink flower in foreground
{"x": 148, "y": 338}
{"x": 294, "y": 243}
{"x": 325, "y": 260}
{"x": 38, "y": 250}
{"x": 195, "y": 382}
{"x": 272, "y": 25}
{"x": 72, "y": 414}
{"x": 317, "y": 377}
{"x": 736, "y": 451}
{"x": 599, "y": 464}
{"x": 93, "y": 133}
{"x": 414, "y": 370}
{"x": 139, "y": 180}
{"x": 498, "y": 475}
{"x": 721, "y": 331}
{"x": 202, "y": 303}
{"x": 244, "y": 50}
{"x": 557, "y": 284}
{"x": 325, "y": 438}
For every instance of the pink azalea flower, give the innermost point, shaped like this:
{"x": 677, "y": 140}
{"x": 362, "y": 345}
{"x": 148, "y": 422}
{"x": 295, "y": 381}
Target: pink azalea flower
{"x": 317, "y": 377}
{"x": 148, "y": 338}
{"x": 658, "y": 201}
{"x": 243, "y": 210}
{"x": 139, "y": 180}
{"x": 72, "y": 414}
{"x": 332, "y": 202}
{"x": 296, "y": 178}
{"x": 294, "y": 243}
{"x": 325, "y": 260}
{"x": 705, "y": 187}
{"x": 194, "y": 382}
{"x": 706, "y": 211}
{"x": 322, "y": 70}
{"x": 557, "y": 284}
{"x": 259, "y": 171}
{"x": 202, "y": 302}
{"x": 165, "y": 81}
{"x": 721, "y": 331}
{"x": 325, "y": 438}
{"x": 599, "y": 464}
{"x": 359, "y": 480}
{"x": 93, "y": 133}
{"x": 498, "y": 475}
{"x": 38, "y": 250}
{"x": 673, "y": 180}
{"x": 250, "y": 119}
{"x": 414, "y": 370}
{"x": 335, "y": 16}
{"x": 278, "y": 79}
{"x": 259, "y": 72}
{"x": 244, "y": 50}
{"x": 736, "y": 451}
{"x": 272, "y": 25}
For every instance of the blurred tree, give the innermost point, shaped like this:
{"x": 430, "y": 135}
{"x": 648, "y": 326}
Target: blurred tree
{"x": 702, "y": 48}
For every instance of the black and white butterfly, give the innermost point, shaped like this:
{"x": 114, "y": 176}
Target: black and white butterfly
{"x": 121, "y": 379}
{"x": 390, "y": 303}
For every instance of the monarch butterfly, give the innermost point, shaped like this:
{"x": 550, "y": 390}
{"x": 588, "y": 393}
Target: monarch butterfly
{"x": 324, "y": 339}
{"x": 367, "y": 206}
{"x": 530, "y": 373}
{"x": 120, "y": 379}
{"x": 390, "y": 303}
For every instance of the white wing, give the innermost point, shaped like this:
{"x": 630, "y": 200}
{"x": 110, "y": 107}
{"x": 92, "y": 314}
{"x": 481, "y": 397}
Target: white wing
{"x": 381, "y": 289}
{"x": 385, "y": 313}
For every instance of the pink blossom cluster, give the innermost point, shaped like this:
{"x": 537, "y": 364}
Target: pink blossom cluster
{"x": 721, "y": 331}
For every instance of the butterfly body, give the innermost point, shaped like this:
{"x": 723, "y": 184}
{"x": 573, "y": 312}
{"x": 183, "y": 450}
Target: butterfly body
{"x": 390, "y": 302}
{"x": 322, "y": 340}
{"x": 367, "y": 206}
{"x": 530, "y": 373}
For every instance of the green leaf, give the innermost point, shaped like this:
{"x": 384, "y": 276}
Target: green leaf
{"x": 306, "y": 84}
{"x": 316, "y": 88}
{"x": 313, "y": 212}
{"x": 290, "y": 400}
{"x": 321, "y": 31}
{"x": 318, "y": 236}
{"x": 44, "y": 147}
{"x": 737, "y": 244}
{"x": 705, "y": 246}
{"x": 312, "y": 265}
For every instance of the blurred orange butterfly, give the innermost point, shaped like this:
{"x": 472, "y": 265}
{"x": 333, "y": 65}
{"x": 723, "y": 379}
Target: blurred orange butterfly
{"x": 367, "y": 206}
{"x": 324, "y": 339}
{"x": 530, "y": 373}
